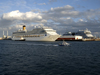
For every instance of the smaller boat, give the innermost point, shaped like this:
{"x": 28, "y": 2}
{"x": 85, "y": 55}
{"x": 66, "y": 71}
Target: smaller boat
{"x": 64, "y": 43}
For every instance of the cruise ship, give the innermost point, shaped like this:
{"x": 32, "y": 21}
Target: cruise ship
{"x": 37, "y": 34}
{"x": 80, "y": 35}
{"x": 85, "y": 33}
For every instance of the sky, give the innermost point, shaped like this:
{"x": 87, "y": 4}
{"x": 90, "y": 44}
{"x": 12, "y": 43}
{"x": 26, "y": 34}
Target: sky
{"x": 61, "y": 15}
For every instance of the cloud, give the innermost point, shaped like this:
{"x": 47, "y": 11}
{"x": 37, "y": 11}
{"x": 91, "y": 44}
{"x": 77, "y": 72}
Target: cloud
{"x": 91, "y": 14}
{"x": 12, "y": 17}
{"x": 72, "y": 19}
{"x": 66, "y": 11}
{"x": 81, "y": 20}
{"x": 69, "y": 11}
{"x": 65, "y": 8}
{"x": 59, "y": 18}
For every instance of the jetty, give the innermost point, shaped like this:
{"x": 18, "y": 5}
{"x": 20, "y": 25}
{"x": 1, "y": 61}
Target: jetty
{"x": 93, "y": 39}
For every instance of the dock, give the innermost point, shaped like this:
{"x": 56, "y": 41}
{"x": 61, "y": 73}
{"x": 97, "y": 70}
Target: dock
{"x": 97, "y": 39}
{"x": 94, "y": 39}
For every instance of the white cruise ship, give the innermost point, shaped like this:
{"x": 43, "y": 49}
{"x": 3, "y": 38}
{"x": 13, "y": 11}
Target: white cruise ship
{"x": 37, "y": 34}
{"x": 85, "y": 33}
{"x": 81, "y": 34}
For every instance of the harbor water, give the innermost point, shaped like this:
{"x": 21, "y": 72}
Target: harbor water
{"x": 47, "y": 58}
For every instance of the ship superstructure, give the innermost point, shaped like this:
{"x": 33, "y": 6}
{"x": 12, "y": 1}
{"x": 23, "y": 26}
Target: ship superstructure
{"x": 85, "y": 33}
{"x": 37, "y": 34}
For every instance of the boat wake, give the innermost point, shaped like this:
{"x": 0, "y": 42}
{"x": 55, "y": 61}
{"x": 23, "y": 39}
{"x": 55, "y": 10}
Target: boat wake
{"x": 44, "y": 44}
{"x": 55, "y": 45}
{"x": 31, "y": 44}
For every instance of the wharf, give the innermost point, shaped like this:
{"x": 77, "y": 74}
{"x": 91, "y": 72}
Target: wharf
{"x": 95, "y": 39}
{"x": 86, "y": 39}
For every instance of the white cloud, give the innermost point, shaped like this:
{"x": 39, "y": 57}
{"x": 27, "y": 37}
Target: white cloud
{"x": 18, "y": 26}
{"x": 14, "y": 17}
{"x": 65, "y": 8}
{"x": 66, "y": 17}
{"x": 81, "y": 20}
{"x": 58, "y": 12}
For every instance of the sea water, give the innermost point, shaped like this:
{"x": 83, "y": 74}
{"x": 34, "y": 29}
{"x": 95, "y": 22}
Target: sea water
{"x": 47, "y": 58}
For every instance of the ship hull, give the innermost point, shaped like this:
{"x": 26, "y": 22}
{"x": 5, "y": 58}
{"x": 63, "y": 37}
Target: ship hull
{"x": 70, "y": 38}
